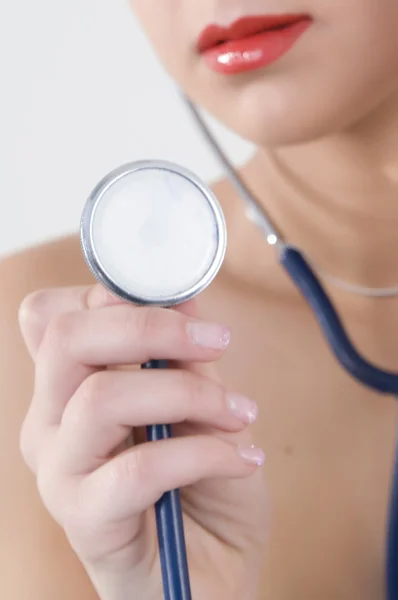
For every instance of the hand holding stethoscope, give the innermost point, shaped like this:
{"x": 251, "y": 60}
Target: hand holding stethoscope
{"x": 100, "y": 490}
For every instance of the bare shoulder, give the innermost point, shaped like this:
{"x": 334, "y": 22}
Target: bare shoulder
{"x": 53, "y": 264}
{"x": 59, "y": 262}
{"x": 36, "y": 559}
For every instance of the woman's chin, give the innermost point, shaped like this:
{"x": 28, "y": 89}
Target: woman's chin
{"x": 268, "y": 115}
{"x": 290, "y": 119}
{"x": 278, "y": 130}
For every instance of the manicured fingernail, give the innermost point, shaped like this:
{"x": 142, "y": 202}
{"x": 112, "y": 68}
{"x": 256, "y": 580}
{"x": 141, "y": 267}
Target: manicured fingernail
{"x": 252, "y": 455}
{"x": 245, "y": 409}
{"x": 209, "y": 335}
{"x": 30, "y": 307}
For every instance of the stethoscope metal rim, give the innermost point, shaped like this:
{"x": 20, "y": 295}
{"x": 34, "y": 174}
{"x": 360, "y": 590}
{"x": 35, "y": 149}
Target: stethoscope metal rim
{"x": 88, "y": 243}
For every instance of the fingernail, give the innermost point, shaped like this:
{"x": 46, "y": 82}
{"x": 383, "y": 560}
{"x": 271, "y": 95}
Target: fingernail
{"x": 245, "y": 409}
{"x": 252, "y": 455}
{"x": 28, "y": 309}
{"x": 209, "y": 335}
{"x": 38, "y": 306}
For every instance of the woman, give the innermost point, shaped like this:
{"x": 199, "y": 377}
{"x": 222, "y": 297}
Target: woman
{"x": 253, "y": 377}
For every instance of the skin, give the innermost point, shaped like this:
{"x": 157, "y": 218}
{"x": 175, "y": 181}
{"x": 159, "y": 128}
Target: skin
{"x": 327, "y": 173}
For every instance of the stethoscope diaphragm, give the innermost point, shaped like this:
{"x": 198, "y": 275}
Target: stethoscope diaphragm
{"x": 153, "y": 233}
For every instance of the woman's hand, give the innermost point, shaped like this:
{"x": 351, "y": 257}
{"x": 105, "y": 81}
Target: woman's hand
{"x": 101, "y": 489}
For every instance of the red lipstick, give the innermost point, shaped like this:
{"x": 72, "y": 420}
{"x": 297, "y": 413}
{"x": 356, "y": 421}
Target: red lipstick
{"x": 250, "y": 43}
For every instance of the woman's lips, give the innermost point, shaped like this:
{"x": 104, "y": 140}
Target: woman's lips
{"x": 251, "y": 43}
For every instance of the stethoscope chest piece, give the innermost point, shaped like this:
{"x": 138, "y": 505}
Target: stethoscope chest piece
{"x": 153, "y": 233}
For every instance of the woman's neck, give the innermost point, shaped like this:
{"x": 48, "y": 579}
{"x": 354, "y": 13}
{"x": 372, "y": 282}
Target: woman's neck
{"x": 337, "y": 198}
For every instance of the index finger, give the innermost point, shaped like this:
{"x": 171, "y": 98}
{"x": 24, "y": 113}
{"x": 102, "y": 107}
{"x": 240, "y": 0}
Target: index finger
{"x": 41, "y": 307}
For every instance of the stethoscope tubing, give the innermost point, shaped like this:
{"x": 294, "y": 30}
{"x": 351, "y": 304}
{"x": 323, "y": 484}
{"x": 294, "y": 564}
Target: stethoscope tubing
{"x": 170, "y": 524}
{"x": 350, "y": 359}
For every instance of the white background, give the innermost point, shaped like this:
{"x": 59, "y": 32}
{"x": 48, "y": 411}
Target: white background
{"x": 81, "y": 92}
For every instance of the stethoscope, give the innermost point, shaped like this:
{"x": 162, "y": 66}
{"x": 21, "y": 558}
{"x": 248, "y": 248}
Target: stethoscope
{"x": 154, "y": 234}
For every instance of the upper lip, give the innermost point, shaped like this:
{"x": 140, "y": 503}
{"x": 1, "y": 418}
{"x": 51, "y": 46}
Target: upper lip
{"x": 214, "y": 35}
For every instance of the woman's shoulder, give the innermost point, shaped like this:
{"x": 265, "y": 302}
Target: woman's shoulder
{"x": 54, "y": 263}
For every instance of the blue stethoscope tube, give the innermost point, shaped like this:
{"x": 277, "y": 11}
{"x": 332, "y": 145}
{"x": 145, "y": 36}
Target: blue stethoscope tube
{"x": 170, "y": 525}
{"x": 308, "y": 284}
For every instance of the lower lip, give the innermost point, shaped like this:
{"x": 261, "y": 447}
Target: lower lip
{"x": 255, "y": 52}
